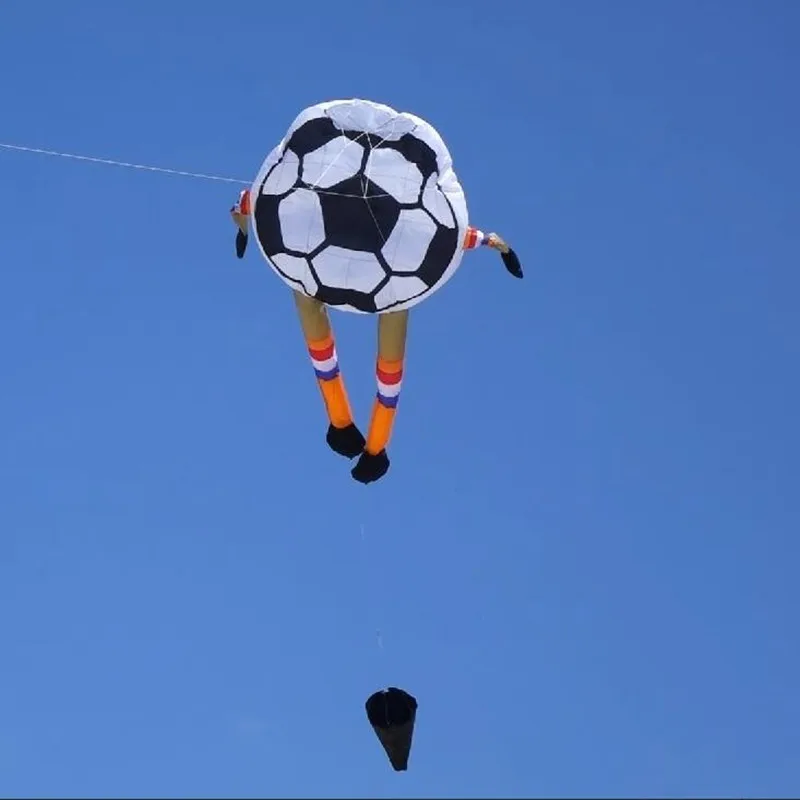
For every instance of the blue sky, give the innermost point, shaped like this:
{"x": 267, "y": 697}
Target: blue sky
{"x": 589, "y": 532}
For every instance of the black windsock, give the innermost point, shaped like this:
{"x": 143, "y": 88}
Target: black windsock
{"x": 392, "y": 713}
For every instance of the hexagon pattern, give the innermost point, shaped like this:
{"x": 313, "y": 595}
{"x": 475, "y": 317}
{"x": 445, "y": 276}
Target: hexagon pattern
{"x": 302, "y": 225}
{"x": 435, "y": 203}
{"x": 283, "y": 176}
{"x": 332, "y": 163}
{"x": 353, "y": 270}
{"x": 395, "y": 175}
{"x": 399, "y": 289}
{"x": 409, "y": 240}
{"x": 360, "y": 208}
{"x": 297, "y": 269}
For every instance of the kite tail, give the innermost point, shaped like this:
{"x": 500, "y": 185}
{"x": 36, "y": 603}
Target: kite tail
{"x": 389, "y": 376}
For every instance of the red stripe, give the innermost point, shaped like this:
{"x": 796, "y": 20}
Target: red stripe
{"x": 244, "y": 203}
{"x": 389, "y": 378}
{"x": 321, "y": 354}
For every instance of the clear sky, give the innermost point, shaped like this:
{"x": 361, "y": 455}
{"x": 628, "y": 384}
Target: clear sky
{"x": 584, "y": 560}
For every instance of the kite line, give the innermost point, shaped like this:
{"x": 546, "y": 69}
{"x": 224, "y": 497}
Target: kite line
{"x": 373, "y": 593}
{"x": 167, "y": 171}
{"x": 126, "y": 164}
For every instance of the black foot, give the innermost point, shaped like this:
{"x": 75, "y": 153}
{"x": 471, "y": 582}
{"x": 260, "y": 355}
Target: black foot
{"x": 241, "y": 244}
{"x": 347, "y": 442}
{"x": 370, "y": 468}
{"x": 511, "y": 262}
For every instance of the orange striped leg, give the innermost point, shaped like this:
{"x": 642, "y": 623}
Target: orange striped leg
{"x": 343, "y": 436}
{"x": 389, "y": 376}
{"x": 325, "y": 361}
{"x": 392, "y": 330}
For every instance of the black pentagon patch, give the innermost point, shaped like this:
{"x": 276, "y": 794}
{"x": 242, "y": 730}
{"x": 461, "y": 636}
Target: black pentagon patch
{"x": 440, "y": 253}
{"x": 340, "y": 297}
{"x": 362, "y": 137}
{"x": 355, "y": 222}
{"x": 311, "y": 135}
{"x": 268, "y": 224}
{"x": 417, "y": 152}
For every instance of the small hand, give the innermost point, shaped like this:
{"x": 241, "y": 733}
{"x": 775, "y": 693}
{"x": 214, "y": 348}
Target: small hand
{"x": 497, "y": 243}
{"x": 239, "y": 219}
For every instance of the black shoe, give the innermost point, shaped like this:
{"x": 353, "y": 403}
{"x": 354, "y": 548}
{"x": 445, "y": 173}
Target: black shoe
{"x": 511, "y": 263}
{"x": 347, "y": 442}
{"x": 370, "y": 467}
{"x": 241, "y": 244}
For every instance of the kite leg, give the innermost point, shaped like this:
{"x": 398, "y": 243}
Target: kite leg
{"x": 343, "y": 436}
{"x": 392, "y": 334}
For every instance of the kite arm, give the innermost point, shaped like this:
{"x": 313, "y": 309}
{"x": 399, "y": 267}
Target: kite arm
{"x": 477, "y": 238}
{"x": 240, "y": 214}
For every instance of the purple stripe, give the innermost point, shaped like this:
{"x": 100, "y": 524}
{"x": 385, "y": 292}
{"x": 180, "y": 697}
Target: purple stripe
{"x": 388, "y": 402}
{"x": 326, "y": 375}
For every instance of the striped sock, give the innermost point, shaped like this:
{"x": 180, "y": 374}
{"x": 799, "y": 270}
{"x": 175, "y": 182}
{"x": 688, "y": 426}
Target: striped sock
{"x": 474, "y": 238}
{"x": 326, "y": 367}
{"x": 389, "y": 375}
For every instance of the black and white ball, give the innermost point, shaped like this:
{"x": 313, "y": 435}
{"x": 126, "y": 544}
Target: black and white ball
{"x": 359, "y": 207}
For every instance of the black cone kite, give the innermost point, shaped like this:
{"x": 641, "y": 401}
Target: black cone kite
{"x": 392, "y": 713}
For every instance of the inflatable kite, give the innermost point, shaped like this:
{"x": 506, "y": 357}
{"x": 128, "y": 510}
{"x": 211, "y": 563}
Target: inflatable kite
{"x": 392, "y": 713}
{"x": 358, "y": 208}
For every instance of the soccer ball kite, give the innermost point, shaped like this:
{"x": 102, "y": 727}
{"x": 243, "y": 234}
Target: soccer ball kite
{"x": 358, "y": 208}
